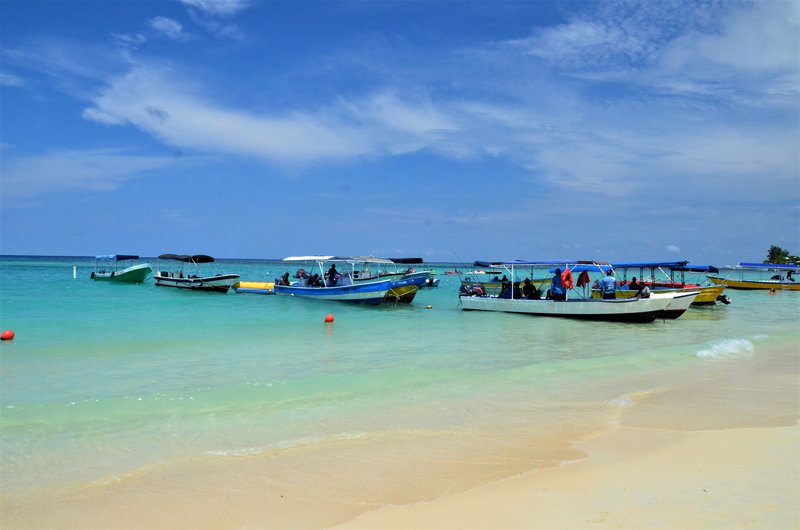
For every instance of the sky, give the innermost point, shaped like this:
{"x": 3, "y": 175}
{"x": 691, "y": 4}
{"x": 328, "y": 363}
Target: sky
{"x": 447, "y": 130}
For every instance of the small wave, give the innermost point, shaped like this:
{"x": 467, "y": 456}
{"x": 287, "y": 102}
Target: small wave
{"x": 246, "y": 451}
{"x": 727, "y": 348}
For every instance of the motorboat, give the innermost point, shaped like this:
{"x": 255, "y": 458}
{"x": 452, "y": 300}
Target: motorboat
{"x": 321, "y": 283}
{"x": 120, "y": 268}
{"x": 667, "y": 276}
{"x": 183, "y": 272}
{"x": 749, "y": 276}
{"x": 575, "y": 306}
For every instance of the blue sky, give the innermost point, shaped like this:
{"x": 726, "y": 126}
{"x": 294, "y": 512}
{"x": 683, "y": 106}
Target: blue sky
{"x": 446, "y": 130}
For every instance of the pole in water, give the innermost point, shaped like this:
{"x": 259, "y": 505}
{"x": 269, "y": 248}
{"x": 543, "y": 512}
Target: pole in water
{"x": 74, "y": 272}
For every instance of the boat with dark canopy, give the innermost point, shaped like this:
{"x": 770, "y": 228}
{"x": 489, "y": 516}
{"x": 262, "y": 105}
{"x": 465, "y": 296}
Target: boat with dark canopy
{"x": 186, "y": 274}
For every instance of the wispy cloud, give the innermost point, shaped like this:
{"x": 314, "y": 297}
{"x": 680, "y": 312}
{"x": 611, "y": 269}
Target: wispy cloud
{"x": 92, "y": 170}
{"x": 7, "y": 79}
{"x": 172, "y": 29}
{"x": 223, "y": 8}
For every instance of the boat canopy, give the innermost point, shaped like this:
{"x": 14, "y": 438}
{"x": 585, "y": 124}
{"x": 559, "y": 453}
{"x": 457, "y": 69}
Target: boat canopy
{"x": 780, "y": 266}
{"x": 118, "y": 257}
{"x": 650, "y": 264}
{"x": 587, "y": 268}
{"x": 310, "y": 258}
{"x": 690, "y": 267}
{"x": 197, "y": 258}
{"x": 518, "y": 262}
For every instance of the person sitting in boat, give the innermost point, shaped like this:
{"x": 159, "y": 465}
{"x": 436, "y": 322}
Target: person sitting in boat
{"x": 634, "y": 285}
{"x": 505, "y": 289}
{"x": 284, "y": 279}
{"x": 643, "y": 291}
{"x": 530, "y": 291}
{"x": 557, "y": 291}
{"x": 332, "y": 275}
{"x": 608, "y": 286}
{"x": 789, "y": 276}
{"x": 517, "y": 291}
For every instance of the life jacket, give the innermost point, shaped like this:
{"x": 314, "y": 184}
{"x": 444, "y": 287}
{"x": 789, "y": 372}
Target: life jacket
{"x": 566, "y": 279}
{"x": 583, "y": 279}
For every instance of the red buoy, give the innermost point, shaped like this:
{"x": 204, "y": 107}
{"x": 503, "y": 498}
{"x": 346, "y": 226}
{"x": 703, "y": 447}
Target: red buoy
{"x": 329, "y": 318}
{"x": 7, "y": 335}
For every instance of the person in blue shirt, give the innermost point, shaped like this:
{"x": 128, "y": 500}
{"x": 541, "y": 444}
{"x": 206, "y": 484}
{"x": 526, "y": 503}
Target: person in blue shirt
{"x": 557, "y": 291}
{"x": 608, "y": 285}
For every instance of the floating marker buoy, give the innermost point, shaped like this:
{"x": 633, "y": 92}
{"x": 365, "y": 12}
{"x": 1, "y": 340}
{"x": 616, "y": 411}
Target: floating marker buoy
{"x": 428, "y": 307}
{"x": 328, "y": 318}
{"x": 7, "y": 335}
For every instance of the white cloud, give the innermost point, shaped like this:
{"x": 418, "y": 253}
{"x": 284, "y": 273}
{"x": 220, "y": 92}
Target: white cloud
{"x": 224, "y": 8}
{"x": 155, "y": 101}
{"x": 674, "y": 249}
{"x": 7, "y": 79}
{"x": 94, "y": 170}
{"x": 168, "y": 27}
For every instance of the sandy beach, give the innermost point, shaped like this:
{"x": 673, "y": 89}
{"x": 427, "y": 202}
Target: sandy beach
{"x": 717, "y": 449}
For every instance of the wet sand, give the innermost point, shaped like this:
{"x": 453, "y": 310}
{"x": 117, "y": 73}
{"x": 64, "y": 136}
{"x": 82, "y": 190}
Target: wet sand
{"x": 715, "y": 448}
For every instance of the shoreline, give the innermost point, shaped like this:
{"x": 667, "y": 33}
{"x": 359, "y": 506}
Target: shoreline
{"x": 732, "y": 424}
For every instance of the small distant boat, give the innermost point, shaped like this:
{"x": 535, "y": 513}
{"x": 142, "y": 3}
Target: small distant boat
{"x": 120, "y": 268}
{"x": 751, "y": 276}
{"x": 192, "y": 278}
{"x": 254, "y": 287}
{"x": 341, "y": 288}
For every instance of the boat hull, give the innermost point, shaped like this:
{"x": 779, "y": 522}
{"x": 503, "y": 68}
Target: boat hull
{"x": 754, "y": 284}
{"x": 220, "y": 283}
{"x": 359, "y": 292}
{"x": 133, "y": 274}
{"x": 620, "y": 310}
{"x": 403, "y": 291}
{"x": 706, "y": 295}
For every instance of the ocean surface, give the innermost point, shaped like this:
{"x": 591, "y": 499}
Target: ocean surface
{"x": 104, "y": 380}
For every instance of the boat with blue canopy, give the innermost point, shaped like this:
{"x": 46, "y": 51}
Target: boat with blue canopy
{"x": 750, "y": 276}
{"x": 664, "y": 276}
{"x": 120, "y": 268}
{"x": 575, "y": 304}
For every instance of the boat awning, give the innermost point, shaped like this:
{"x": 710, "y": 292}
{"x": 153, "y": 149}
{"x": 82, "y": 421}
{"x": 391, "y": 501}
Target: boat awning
{"x": 197, "y": 258}
{"x": 406, "y": 261}
{"x": 516, "y": 263}
{"x": 120, "y": 257}
{"x": 690, "y": 267}
{"x": 370, "y": 259}
{"x": 587, "y": 268}
{"x": 778, "y": 266}
{"x": 308, "y": 258}
{"x": 650, "y": 264}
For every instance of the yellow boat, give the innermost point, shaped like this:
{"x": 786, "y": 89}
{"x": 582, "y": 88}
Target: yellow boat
{"x": 776, "y": 276}
{"x": 754, "y": 284}
{"x": 708, "y": 295}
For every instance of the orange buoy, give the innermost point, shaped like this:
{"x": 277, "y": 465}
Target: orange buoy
{"x": 328, "y": 318}
{"x": 7, "y": 335}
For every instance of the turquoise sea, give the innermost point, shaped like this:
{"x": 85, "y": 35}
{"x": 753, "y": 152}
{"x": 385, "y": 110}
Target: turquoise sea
{"x": 104, "y": 380}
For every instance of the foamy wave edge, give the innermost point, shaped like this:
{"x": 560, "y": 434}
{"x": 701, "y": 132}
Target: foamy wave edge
{"x": 736, "y": 347}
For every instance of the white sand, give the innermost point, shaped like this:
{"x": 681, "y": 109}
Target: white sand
{"x": 726, "y": 479}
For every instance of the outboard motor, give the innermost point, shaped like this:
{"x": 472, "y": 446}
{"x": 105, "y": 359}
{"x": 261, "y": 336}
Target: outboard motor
{"x": 724, "y": 298}
{"x": 471, "y": 290}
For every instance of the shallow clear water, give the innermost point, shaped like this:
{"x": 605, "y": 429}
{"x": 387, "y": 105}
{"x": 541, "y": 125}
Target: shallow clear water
{"x": 107, "y": 378}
